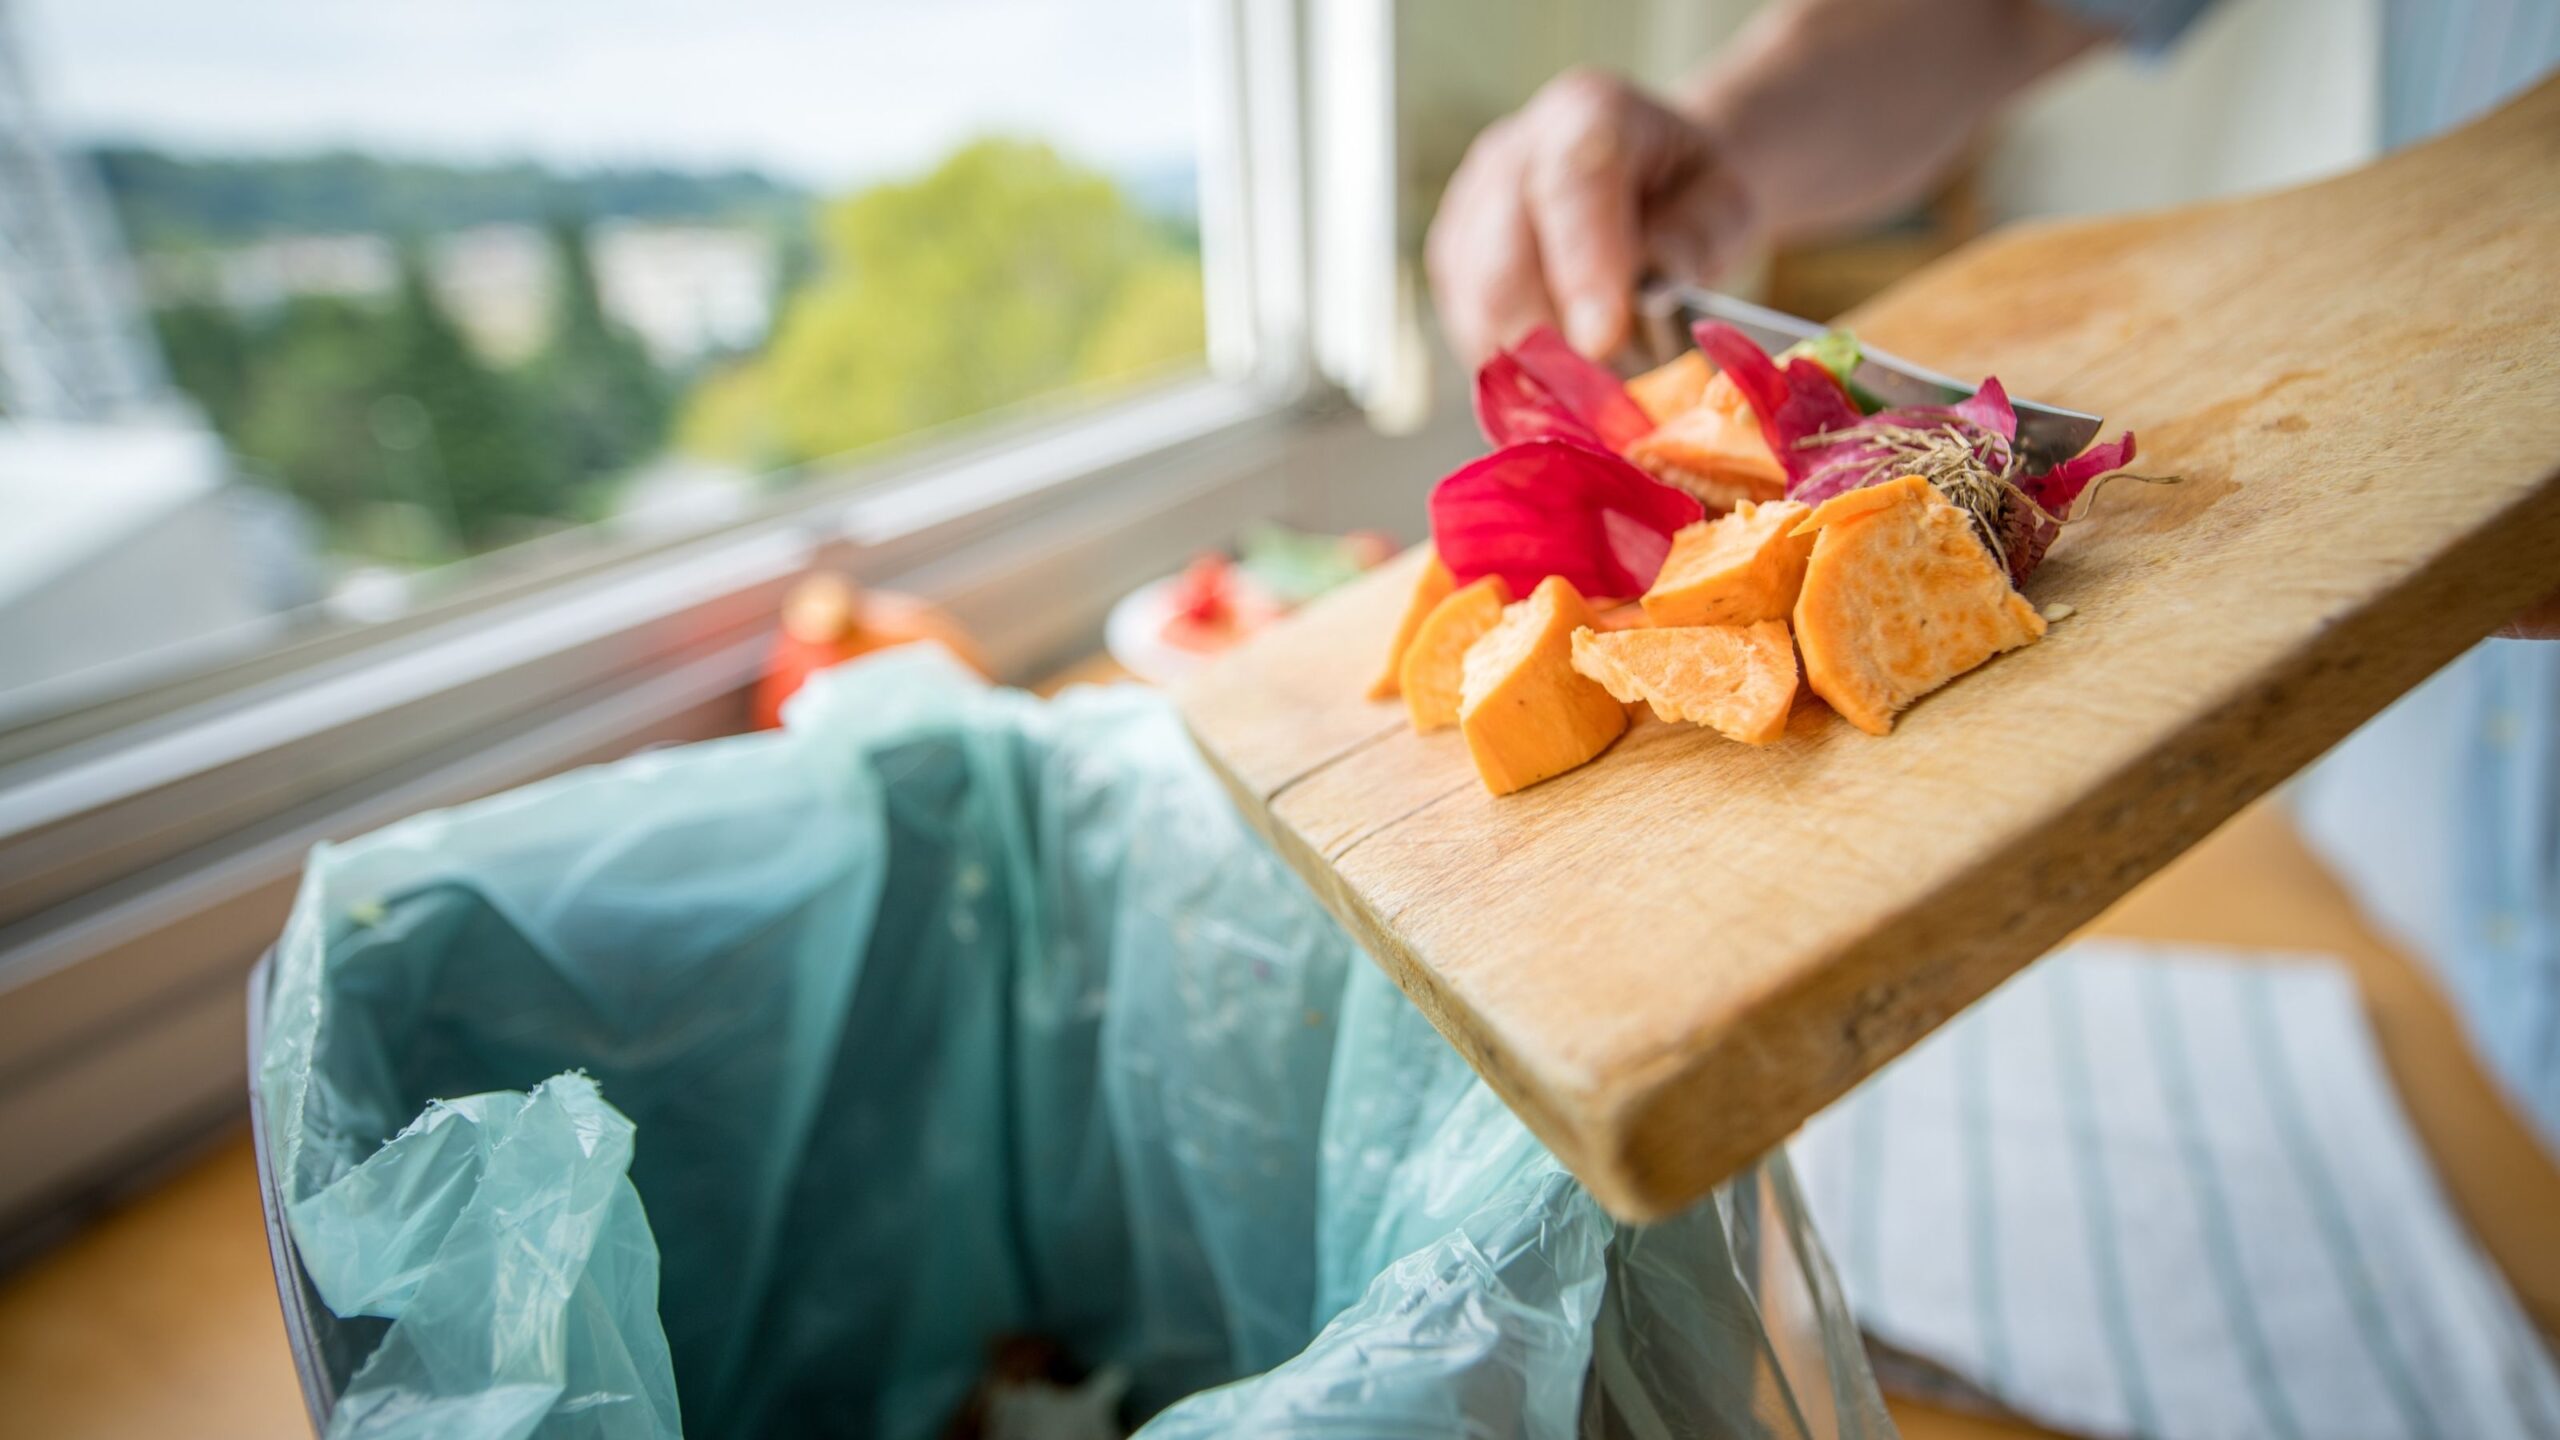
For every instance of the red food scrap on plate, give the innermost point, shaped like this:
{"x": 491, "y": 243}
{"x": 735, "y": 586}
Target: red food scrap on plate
{"x": 1211, "y": 606}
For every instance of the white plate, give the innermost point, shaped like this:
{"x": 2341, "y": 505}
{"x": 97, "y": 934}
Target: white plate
{"x": 1134, "y": 633}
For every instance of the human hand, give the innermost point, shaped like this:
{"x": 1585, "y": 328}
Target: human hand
{"x": 1558, "y": 209}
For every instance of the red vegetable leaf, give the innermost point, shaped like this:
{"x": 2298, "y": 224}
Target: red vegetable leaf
{"x": 1989, "y": 408}
{"x": 1555, "y": 507}
{"x": 2056, "y": 488}
{"x": 1792, "y": 402}
{"x": 1585, "y": 388}
{"x": 1513, "y": 409}
{"x": 2033, "y": 529}
{"x": 1542, "y": 389}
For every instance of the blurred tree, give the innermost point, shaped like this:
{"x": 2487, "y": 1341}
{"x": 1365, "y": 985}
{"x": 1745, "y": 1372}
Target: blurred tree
{"x": 601, "y": 402}
{"x": 1005, "y": 273}
{"x": 467, "y": 450}
{"x": 208, "y": 352}
{"x": 795, "y": 263}
{"x": 730, "y": 415}
{"x": 318, "y": 366}
{"x": 357, "y": 410}
{"x": 1159, "y": 318}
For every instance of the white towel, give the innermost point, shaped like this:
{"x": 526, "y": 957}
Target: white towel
{"x": 2145, "y": 1190}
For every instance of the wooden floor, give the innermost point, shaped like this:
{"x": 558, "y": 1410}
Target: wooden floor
{"x": 161, "y": 1320}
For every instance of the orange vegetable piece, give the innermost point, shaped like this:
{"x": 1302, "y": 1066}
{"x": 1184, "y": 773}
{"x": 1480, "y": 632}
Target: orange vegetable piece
{"x": 1432, "y": 664}
{"x": 1429, "y": 588}
{"x": 1666, "y": 390}
{"x": 1737, "y": 680}
{"x": 1527, "y": 714}
{"x": 1714, "y": 450}
{"x": 1900, "y": 597}
{"x": 827, "y": 619}
{"x": 1733, "y": 569}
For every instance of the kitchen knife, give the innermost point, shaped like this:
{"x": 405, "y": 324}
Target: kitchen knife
{"x": 2047, "y": 434}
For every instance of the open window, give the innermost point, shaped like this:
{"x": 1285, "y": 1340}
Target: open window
{"x": 398, "y": 406}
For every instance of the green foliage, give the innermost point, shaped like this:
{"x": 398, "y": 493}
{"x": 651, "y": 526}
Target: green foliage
{"x": 1160, "y": 319}
{"x": 1005, "y": 273}
{"x": 603, "y": 406}
{"x": 321, "y": 364}
{"x": 387, "y": 425}
{"x": 170, "y": 200}
{"x": 477, "y": 452}
{"x": 207, "y": 349}
{"x": 730, "y": 416}
{"x": 399, "y": 436}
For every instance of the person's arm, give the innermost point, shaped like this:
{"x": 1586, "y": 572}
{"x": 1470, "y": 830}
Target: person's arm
{"x": 1820, "y": 112}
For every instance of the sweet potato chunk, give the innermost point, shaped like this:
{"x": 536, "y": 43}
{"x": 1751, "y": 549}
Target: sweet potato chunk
{"x": 1625, "y": 615}
{"x": 1432, "y": 664}
{"x": 1666, "y": 390}
{"x": 1429, "y": 589}
{"x": 1734, "y": 569}
{"x": 1714, "y": 450}
{"x": 1737, "y": 680}
{"x": 1900, "y": 597}
{"x": 1527, "y": 714}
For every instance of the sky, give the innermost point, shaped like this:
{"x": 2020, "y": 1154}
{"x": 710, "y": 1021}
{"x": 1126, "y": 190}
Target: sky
{"x": 818, "y": 91}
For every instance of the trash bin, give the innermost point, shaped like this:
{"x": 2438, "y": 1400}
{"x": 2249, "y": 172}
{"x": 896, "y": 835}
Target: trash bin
{"x": 757, "y": 1088}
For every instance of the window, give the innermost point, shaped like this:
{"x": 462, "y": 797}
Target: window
{"x": 399, "y": 403}
{"x": 368, "y": 294}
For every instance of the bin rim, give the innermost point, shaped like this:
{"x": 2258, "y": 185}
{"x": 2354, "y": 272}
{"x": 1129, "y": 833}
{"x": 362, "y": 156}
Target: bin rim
{"x": 293, "y": 1284}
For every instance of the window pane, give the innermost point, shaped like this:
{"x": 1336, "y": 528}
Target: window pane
{"x": 326, "y": 299}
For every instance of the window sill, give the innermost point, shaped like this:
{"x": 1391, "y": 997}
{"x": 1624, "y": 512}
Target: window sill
{"x": 144, "y": 868}
{"x": 110, "y": 798}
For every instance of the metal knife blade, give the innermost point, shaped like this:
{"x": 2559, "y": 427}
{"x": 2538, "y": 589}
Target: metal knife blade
{"x": 2047, "y": 434}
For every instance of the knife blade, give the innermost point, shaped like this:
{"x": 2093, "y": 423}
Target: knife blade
{"x": 2047, "y": 434}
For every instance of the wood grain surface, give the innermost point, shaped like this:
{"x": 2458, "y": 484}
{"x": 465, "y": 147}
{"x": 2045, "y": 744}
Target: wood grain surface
{"x": 1667, "y": 959}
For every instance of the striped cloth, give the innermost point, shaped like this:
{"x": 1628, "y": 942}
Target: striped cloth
{"x": 2465, "y": 869}
{"x": 2155, "y": 1191}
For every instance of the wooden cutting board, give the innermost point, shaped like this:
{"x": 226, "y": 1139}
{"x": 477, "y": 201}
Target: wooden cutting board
{"x": 1669, "y": 958}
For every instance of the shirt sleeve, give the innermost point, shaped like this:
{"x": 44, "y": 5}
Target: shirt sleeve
{"x": 2148, "y": 26}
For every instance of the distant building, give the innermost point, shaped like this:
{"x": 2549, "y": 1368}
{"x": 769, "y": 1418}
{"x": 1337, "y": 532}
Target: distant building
{"x": 496, "y": 283}
{"x": 129, "y": 556}
{"x": 265, "y": 275}
{"x": 73, "y": 344}
{"x": 687, "y": 291}
{"x": 126, "y": 552}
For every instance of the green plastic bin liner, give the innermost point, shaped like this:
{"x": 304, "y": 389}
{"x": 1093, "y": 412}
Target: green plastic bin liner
{"x": 749, "y": 1089}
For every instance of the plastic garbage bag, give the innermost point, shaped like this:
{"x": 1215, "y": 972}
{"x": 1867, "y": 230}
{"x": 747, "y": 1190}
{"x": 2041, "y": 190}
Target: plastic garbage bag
{"x": 751, "y": 1089}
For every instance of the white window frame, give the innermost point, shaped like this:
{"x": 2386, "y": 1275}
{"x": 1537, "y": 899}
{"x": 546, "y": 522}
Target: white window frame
{"x": 149, "y": 845}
